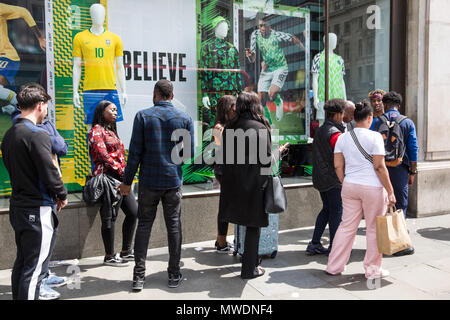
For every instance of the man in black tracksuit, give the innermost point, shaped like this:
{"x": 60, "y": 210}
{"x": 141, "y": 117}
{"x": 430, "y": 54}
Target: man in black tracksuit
{"x": 38, "y": 192}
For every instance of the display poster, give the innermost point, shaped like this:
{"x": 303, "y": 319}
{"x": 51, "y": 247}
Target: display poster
{"x": 159, "y": 41}
{"x": 22, "y": 60}
{"x": 207, "y": 48}
{"x": 276, "y": 45}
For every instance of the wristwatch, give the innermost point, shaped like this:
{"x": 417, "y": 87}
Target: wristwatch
{"x": 412, "y": 172}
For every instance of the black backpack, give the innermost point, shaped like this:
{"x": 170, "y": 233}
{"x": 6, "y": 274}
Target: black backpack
{"x": 394, "y": 142}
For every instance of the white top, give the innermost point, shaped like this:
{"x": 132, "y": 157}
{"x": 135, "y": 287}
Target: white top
{"x": 359, "y": 170}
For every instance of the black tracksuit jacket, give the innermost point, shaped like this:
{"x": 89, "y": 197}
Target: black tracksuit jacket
{"x": 27, "y": 154}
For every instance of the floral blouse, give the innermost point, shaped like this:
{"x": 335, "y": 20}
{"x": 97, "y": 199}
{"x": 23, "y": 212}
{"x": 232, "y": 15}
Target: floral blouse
{"x": 107, "y": 151}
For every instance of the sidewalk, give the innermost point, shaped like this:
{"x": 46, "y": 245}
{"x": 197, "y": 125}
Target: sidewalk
{"x": 291, "y": 275}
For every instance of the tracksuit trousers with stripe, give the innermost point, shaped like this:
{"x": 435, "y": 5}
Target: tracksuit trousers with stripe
{"x": 35, "y": 232}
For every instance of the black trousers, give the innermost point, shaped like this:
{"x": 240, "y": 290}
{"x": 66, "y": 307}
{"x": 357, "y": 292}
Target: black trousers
{"x": 35, "y": 232}
{"x": 250, "y": 258}
{"x": 129, "y": 206}
{"x": 222, "y": 226}
{"x": 148, "y": 204}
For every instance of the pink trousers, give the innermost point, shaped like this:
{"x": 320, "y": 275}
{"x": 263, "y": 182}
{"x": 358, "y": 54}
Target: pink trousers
{"x": 358, "y": 200}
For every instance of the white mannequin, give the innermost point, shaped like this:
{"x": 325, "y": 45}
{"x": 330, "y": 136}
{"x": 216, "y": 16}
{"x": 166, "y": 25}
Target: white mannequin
{"x": 98, "y": 14}
{"x": 318, "y": 105}
{"x": 221, "y": 32}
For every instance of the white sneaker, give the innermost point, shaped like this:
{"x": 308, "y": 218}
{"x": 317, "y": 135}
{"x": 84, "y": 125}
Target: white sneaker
{"x": 53, "y": 281}
{"x": 47, "y": 293}
{"x": 383, "y": 274}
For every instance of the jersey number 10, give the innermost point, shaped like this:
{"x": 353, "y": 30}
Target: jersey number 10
{"x": 99, "y": 52}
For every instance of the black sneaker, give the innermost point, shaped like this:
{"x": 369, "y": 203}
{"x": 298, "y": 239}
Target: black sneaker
{"x": 129, "y": 256}
{"x": 405, "y": 252}
{"x": 226, "y": 249}
{"x": 314, "y": 249}
{"x": 138, "y": 284}
{"x": 175, "y": 280}
{"x": 115, "y": 261}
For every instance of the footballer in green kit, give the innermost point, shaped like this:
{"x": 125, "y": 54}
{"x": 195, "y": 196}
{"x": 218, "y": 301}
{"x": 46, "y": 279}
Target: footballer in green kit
{"x": 274, "y": 67}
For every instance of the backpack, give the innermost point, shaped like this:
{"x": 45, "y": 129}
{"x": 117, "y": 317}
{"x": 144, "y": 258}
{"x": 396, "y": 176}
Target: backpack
{"x": 394, "y": 142}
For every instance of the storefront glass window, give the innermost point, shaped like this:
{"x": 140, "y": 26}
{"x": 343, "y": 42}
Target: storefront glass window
{"x": 207, "y": 48}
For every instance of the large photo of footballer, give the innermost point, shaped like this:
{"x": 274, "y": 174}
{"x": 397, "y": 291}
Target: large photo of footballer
{"x": 22, "y": 59}
{"x": 276, "y": 56}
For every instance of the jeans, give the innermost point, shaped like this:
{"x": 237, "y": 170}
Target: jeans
{"x": 330, "y": 214}
{"x": 148, "y": 204}
{"x": 399, "y": 179}
{"x": 129, "y": 207}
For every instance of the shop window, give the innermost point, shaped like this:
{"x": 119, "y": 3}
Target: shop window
{"x": 347, "y": 28}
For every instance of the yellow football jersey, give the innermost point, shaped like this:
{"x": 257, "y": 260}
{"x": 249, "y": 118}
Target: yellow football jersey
{"x": 8, "y": 12}
{"x": 98, "y": 53}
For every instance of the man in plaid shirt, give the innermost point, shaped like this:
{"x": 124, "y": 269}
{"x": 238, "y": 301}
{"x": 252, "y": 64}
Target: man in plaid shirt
{"x": 160, "y": 179}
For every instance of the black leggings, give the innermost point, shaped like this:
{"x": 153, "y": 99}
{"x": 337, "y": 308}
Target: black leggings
{"x": 222, "y": 227}
{"x": 129, "y": 206}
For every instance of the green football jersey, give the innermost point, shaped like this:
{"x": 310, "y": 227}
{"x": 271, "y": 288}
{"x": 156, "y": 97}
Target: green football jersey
{"x": 336, "y": 74}
{"x": 270, "y": 49}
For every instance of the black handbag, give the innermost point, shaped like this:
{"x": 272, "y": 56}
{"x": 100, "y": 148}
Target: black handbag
{"x": 93, "y": 189}
{"x": 275, "y": 200}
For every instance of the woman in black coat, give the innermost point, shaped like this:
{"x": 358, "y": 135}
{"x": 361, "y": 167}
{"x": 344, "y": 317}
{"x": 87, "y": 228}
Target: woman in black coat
{"x": 245, "y": 174}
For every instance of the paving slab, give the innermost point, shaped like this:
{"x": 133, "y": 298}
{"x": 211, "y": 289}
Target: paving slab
{"x": 290, "y": 276}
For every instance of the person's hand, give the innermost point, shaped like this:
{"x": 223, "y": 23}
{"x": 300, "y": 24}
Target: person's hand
{"x": 219, "y": 127}
{"x": 392, "y": 200}
{"x": 263, "y": 66}
{"x": 411, "y": 178}
{"x": 42, "y": 43}
{"x": 76, "y": 100}
{"x": 283, "y": 148}
{"x": 206, "y": 102}
{"x": 124, "y": 189}
{"x": 60, "y": 204}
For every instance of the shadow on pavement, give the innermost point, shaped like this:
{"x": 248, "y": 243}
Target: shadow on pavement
{"x": 313, "y": 278}
{"x": 438, "y": 233}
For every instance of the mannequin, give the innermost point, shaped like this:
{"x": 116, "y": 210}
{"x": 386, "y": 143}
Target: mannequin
{"x": 336, "y": 78}
{"x": 218, "y": 54}
{"x": 102, "y": 50}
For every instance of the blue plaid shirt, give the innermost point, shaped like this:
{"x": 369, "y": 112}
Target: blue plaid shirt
{"x": 151, "y": 146}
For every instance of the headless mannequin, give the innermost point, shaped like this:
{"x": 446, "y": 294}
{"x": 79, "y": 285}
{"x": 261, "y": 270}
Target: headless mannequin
{"x": 98, "y": 14}
{"x": 221, "y": 32}
{"x": 318, "y": 105}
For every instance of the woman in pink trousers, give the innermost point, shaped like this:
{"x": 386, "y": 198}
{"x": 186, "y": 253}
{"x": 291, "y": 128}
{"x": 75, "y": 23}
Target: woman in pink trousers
{"x": 366, "y": 190}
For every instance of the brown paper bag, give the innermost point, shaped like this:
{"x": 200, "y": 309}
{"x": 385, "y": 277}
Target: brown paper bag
{"x": 392, "y": 234}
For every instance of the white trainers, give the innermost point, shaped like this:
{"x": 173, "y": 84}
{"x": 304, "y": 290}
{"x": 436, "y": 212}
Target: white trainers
{"x": 383, "y": 273}
{"x": 53, "y": 281}
{"x": 47, "y": 293}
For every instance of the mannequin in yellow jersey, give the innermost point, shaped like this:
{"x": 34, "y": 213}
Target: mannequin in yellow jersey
{"x": 102, "y": 54}
{"x": 9, "y": 59}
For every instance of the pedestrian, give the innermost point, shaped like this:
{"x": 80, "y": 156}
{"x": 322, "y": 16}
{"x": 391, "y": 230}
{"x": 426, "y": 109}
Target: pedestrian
{"x": 401, "y": 175}
{"x": 160, "y": 179}
{"x": 243, "y": 180}
{"x": 366, "y": 191}
{"x": 38, "y": 193}
{"x": 324, "y": 175}
{"x": 108, "y": 157}
{"x": 59, "y": 149}
{"x": 349, "y": 115}
{"x": 376, "y": 101}
{"x": 226, "y": 109}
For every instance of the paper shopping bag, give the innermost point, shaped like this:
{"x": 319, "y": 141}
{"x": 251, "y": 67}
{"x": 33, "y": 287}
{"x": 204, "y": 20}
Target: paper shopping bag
{"x": 392, "y": 234}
